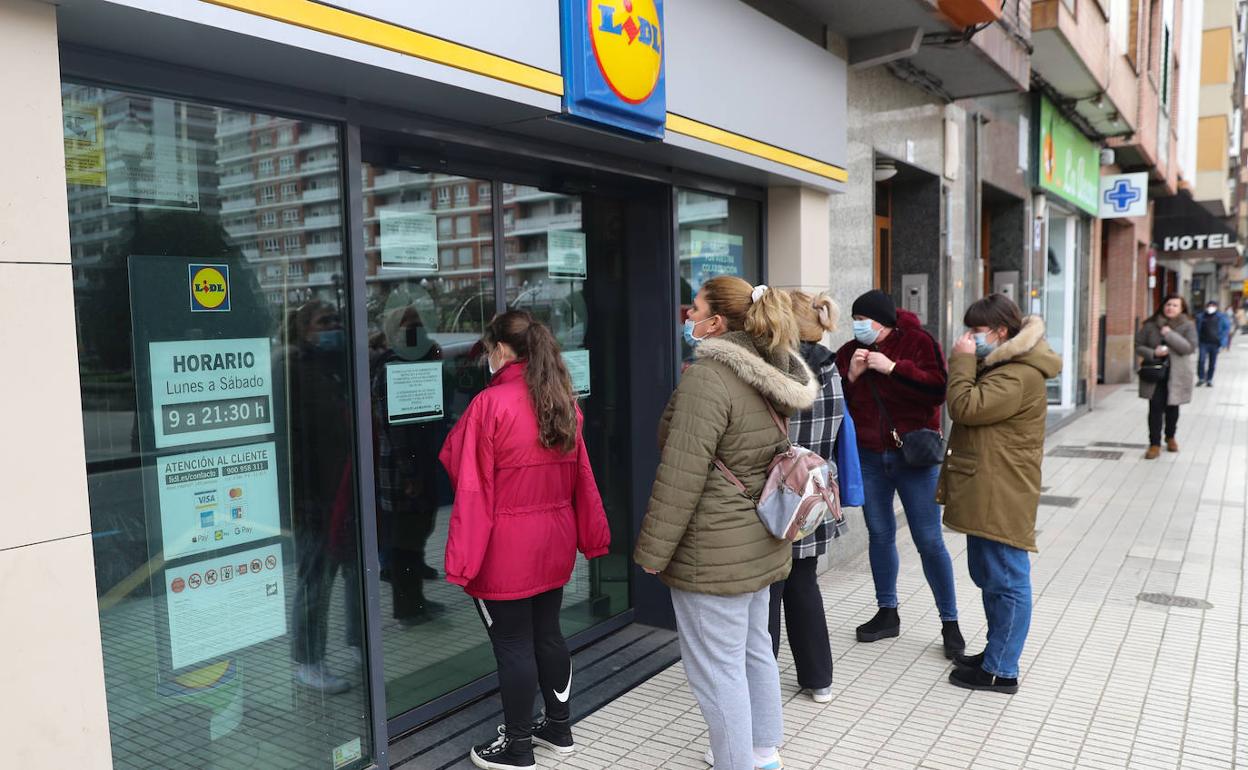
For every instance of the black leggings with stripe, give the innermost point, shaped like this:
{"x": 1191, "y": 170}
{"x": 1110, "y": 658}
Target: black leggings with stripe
{"x": 530, "y": 651}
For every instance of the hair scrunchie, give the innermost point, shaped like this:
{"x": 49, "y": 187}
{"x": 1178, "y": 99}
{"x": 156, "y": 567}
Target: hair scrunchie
{"x": 758, "y": 292}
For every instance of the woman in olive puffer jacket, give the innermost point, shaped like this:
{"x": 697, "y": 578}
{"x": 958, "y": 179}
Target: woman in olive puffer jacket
{"x": 701, "y": 535}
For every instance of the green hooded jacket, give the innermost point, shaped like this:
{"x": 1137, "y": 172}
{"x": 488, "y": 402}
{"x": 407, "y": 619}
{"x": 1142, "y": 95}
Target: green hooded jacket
{"x": 700, "y": 533}
{"x": 990, "y": 482}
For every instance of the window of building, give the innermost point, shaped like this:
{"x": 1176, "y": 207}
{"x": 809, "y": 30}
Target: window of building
{"x": 270, "y": 244}
{"x": 461, "y": 194}
{"x": 269, "y": 220}
{"x": 266, "y": 167}
{"x": 286, "y": 135}
{"x": 289, "y": 190}
{"x": 483, "y": 193}
{"x": 292, "y": 243}
{"x": 290, "y": 216}
{"x": 294, "y": 270}
{"x": 444, "y": 196}
{"x": 444, "y": 227}
{"x": 463, "y": 257}
{"x": 268, "y": 194}
{"x": 463, "y": 227}
{"x": 287, "y": 164}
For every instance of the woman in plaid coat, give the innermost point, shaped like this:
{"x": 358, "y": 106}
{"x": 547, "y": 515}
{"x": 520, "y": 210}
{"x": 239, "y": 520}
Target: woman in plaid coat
{"x": 826, "y": 429}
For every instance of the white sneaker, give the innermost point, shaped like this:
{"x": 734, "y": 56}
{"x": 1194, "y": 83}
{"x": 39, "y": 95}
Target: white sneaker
{"x": 774, "y": 763}
{"x": 315, "y": 676}
{"x": 356, "y": 654}
{"x": 709, "y": 758}
{"x": 822, "y": 695}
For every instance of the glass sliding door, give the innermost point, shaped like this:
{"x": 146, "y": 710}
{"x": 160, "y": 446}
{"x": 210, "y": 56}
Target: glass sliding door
{"x": 1061, "y": 302}
{"x": 207, "y": 250}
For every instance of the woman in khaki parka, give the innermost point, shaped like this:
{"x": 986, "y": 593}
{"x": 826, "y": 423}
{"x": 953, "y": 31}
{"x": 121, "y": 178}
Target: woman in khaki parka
{"x": 990, "y": 482}
{"x": 701, "y": 536}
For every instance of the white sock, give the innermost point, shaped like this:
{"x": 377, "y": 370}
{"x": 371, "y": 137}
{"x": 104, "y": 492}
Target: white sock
{"x": 764, "y": 755}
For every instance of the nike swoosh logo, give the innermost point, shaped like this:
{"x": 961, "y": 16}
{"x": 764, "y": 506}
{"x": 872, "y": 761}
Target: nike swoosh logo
{"x": 562, "y": 697}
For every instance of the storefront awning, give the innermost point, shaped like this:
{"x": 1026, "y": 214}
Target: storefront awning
{"x": 1183, "y": 229}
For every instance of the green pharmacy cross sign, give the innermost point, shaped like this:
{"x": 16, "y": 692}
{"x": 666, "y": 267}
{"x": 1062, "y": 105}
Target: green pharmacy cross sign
{"x": 1069, "y": 164}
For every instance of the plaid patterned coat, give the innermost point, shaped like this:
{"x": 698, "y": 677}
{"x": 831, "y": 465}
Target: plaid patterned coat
{"x": 817, "y": 429}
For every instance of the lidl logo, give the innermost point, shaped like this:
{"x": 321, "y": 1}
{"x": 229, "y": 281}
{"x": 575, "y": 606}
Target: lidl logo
{"x": 612, "y": 55}
{"x": 628, "y": 46}
{"x": 210, "y": 288}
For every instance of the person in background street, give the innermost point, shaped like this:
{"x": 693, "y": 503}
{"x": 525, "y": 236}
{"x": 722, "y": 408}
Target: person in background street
{"x": 1213, "y": 330}
{"x": 525, "y": 503}
{"x": 1241, "y": 319}
{"x": 895, "y": 383}
{"x": 825, "y": 428}
{"x": 703, "y": 537}
{"x": 1168, "y": 335}
{"x": 1228, "y": 326}
{"x": 990, "y": 481}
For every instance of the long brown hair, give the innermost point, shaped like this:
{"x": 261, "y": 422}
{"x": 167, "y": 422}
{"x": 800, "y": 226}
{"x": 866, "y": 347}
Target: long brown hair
{"x": 770, "y": 320}
{"x": 1161, "y": 309}
{"x": 550, "y": 386}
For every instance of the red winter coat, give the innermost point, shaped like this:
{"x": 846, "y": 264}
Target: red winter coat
{"x": 521, "y": 511}
{"x": 913, "y": 393}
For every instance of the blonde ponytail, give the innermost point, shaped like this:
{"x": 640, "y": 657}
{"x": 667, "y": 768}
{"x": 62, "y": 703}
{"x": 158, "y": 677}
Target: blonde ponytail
{"x": 769, "y": 319}
{"x": 815, "y": 315}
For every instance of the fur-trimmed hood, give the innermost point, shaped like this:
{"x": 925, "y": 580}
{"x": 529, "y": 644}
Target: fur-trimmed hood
{"x": 781, "y": 376}
{"x": 1029, "y": 347}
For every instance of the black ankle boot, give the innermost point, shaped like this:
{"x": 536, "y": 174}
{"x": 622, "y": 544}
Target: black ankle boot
{"x": 885, "y": 625}
{"x": 554, "y": 735}
{"x": 955, "y": 645}
{"x": 504, "y": 753}
{"x": 979, "y": 679}
{"x": 969, "y": 661}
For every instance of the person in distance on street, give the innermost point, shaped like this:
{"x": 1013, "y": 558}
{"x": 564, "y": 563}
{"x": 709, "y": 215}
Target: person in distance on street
{"x": 525, "y": 503}
{"x": 894, "y": 374}
{"x": 990, "y": 481}
{"x": 1213, "y": 330}
{"x": 1169, "y": 336}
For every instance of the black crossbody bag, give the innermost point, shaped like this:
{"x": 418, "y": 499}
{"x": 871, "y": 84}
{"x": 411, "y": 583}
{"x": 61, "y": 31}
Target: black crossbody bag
{"x": 920, "y": 448}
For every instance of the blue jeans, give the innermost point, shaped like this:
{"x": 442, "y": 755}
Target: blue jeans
{"x": 1208, "y": 354}
{"x": 1003, "y": 574}
{"x": 883, "y": 476}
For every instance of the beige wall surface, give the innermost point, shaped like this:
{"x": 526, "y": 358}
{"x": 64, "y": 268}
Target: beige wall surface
{"x": 54, "y": 713}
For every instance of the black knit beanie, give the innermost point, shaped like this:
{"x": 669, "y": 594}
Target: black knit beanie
{"x": 877, "y": 306}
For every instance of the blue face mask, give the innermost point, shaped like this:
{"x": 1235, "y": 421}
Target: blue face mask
{"x": 865, "y": 333}
{"x": 690, "y": 338}
{"x": 982, "y": 346}
{"x": 329, "y": 340}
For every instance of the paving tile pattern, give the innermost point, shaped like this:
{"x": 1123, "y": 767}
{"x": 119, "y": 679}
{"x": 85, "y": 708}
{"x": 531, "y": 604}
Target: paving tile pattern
{"x": 1108, "y": 681}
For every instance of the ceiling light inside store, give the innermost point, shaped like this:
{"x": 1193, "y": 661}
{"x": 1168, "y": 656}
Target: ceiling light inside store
{"x": 885, "y": 170}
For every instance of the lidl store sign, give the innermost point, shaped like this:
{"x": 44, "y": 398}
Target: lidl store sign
{"x": 1069, "y": 164}
{"x": 613, "y": 71}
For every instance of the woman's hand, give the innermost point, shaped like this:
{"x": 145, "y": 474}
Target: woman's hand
{"x": 880, "y": 363}
{"x": 1165, "y": 330}
{"x": 1161, "y": 351}
{"x": 650, "y": 571}
{"x": 858, "y": 363}
{"x": 965, "y": 344}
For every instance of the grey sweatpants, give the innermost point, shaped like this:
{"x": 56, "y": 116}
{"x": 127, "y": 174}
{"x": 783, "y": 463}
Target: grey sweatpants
{"x": 726, "y": 649}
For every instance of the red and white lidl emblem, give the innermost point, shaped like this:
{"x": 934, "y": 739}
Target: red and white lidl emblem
{"x": 628, "y": 46}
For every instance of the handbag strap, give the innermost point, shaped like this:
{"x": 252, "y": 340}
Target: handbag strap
{"x": 888, "y": 419}
{"x": 780, "y": 423}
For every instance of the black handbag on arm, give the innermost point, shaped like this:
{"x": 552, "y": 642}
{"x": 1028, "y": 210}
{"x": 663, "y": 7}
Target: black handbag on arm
{"x": 920, "y": 448}
{"x": 1155, "y": 370}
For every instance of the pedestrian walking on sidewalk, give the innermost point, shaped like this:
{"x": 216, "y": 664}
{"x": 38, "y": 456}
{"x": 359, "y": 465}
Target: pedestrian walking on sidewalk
{"x": 826, "y": 429}
{"x": 703, "y": 537}
{"x": 1166, "y": 342}
{"x": 1213, "y": 330}
{"x": 895, "y": 385}
{"x": 990, "y": 482}
{"x": 525, "y": 503}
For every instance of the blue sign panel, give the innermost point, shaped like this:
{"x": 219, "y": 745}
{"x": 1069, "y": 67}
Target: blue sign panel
{"x": 613, "y": 72}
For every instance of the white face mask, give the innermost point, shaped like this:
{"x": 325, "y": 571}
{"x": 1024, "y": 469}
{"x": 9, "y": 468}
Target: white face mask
{"x": 1211, "y": 309}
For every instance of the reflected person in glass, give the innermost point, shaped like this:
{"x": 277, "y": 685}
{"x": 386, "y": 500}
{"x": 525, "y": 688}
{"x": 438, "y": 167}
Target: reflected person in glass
{"x": 322, "y": 513}
{"x": 525, "y": 502}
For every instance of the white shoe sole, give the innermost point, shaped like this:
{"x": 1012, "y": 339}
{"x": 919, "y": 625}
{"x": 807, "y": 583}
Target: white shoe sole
{"x": 484, "y": 765}
{"x": 553, "y": 747}
{"x": 821, "y": 698}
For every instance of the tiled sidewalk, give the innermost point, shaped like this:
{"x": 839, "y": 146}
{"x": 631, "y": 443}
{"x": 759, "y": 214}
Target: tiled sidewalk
{"x": 1108, "y": 681}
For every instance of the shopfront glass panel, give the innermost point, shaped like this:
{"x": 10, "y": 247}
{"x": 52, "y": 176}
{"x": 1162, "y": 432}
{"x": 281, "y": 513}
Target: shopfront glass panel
{"x": 208, "y": 268}
{"x": 718, "y": 235}
{"x": 1060, "y": 303}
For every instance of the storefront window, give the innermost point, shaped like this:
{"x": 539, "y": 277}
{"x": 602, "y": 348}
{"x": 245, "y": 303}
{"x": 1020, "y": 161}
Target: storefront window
{"x": 219, "y": 435}
{"x": 718, "y": 236}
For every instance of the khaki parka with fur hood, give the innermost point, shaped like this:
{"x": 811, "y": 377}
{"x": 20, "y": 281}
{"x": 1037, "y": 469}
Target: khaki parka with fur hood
{"x": 700, "y": 533}
{"x": 990, "y": 482}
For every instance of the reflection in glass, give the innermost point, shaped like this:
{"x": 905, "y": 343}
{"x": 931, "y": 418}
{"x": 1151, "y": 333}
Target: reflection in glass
{"x": 178, "y": 183}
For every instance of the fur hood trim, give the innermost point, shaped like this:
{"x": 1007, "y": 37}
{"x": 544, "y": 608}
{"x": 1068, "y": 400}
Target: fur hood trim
{"x": 782, "y": 377}
{"x": 1021, "y": 344}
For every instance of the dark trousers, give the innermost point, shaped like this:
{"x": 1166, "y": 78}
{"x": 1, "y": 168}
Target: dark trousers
{"x": 315, "y": 570}
{"x": 1208, "y": 360}
{"x": 806, "y": 624}
{"x": 1159, "y": 411}
{"x": 531, "y": 652}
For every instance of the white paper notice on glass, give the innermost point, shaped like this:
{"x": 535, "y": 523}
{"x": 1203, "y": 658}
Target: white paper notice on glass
{"x": 218, "y": 498}
{"x": 413, "y": 392}
{"x": 222, "y": 604}
{"x": 409, "y": 239}
{"x": 211, "y": 390}
{"x": 577, "y": 362}
{"x": 565, "y": 254}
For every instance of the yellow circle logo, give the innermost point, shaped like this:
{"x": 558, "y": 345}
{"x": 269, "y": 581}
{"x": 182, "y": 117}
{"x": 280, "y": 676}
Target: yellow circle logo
{"x": 209, "y": 288}
{"x": 628, "y": 46}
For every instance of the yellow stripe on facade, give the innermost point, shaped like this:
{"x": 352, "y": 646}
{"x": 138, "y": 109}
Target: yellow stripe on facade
{"x": 708, "y": 133}
{"x": 362, "y": 29}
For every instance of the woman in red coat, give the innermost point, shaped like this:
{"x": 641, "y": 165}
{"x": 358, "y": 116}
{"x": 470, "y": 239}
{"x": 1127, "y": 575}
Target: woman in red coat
{"x": 525, "y": 503}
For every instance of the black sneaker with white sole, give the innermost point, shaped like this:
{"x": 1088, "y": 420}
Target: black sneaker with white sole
{"x": 554, "y": 735}
{"x": 504, "y": 753}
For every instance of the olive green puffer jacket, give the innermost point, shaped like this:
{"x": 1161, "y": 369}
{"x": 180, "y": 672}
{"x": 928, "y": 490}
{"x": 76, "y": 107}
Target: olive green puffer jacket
{"x": 700, "y": 533}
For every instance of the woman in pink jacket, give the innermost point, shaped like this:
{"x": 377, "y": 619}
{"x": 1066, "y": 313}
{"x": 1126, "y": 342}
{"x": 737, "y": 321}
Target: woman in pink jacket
{"x": 525, "y": 503}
